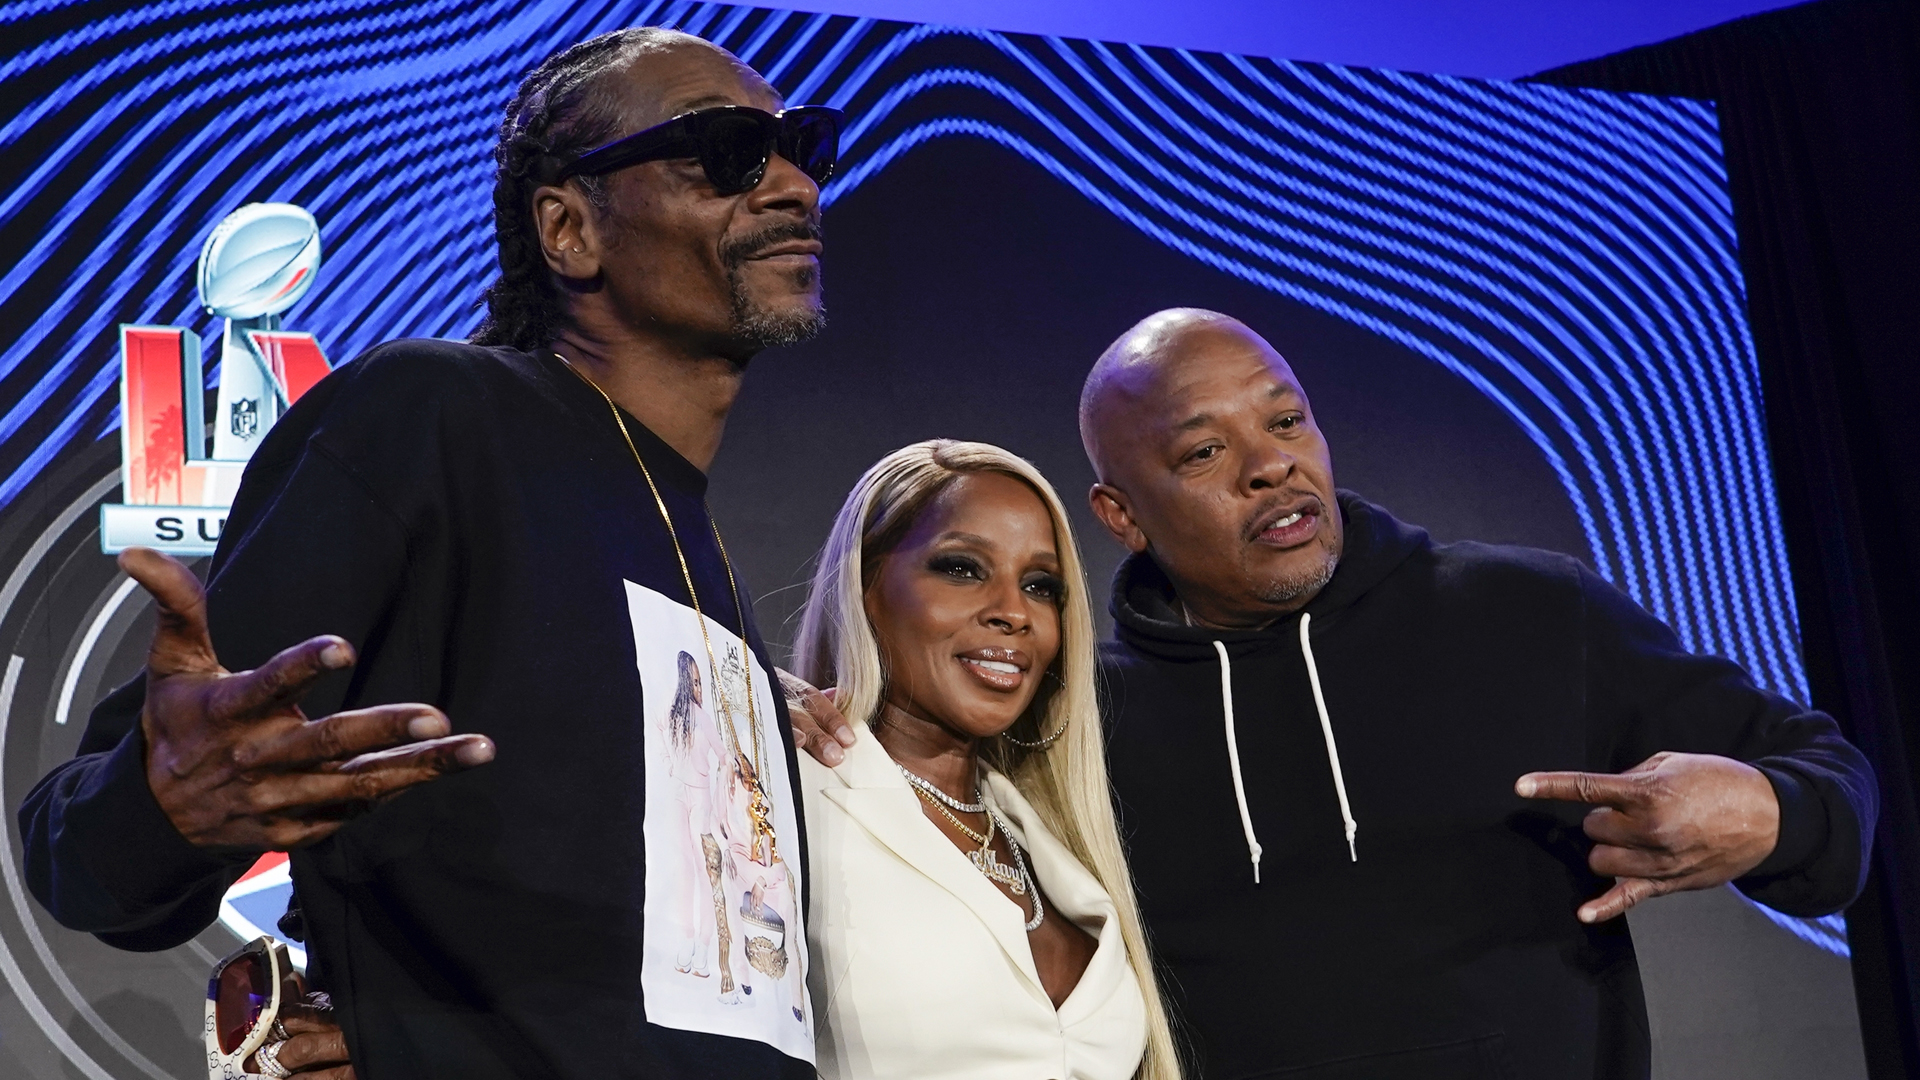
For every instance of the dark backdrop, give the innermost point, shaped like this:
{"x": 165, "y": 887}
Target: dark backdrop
{"x": 1820, "y": 111}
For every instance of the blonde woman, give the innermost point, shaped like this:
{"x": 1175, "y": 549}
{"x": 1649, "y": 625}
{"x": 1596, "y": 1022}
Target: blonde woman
{"x": 972, "y": 914}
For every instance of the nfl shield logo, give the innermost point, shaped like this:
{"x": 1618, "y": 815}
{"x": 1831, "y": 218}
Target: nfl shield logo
{"x": 246, "y": 418}
{"x": 254, "y": 904}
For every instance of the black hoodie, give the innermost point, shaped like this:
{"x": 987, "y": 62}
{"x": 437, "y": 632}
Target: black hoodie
{"x": 1442, "y": 943}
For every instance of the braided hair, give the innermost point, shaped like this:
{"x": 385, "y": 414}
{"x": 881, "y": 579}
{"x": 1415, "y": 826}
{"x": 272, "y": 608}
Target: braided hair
{"x": 562, "y": 110}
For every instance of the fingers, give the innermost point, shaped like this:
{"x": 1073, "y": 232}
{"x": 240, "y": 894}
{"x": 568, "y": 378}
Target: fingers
{"x": 807, "y": 733}
{"x": 818, "y": 727}
{"x": 318, "y": 1048}
{"x": 823, "y": 707}
{"x": 811, "y": 740}
{"x": 302, "y": 808}
{"x": 1605, "y": 825}
{"x": 180, "y": 640}
{"x": 315, "y": 1048}
{"x": 1625, "y": 893}
{"x": 790, "y": 684}
{"x": 281, "y": 681}
{"x": 345, "y": 735}
{"x": 1603, "y": 789}
{"x": 300, "y": 1018}
{"x": 1612, "y": 861}
{"x": 826, "y": 715}
{"x": 819, "y": 705}
{"x": 312, "y": 1050}
{"x": 454, "y": 753}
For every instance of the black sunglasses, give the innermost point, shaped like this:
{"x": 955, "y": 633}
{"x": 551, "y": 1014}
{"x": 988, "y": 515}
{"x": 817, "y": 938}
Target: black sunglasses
{"x": 732, "y": 143}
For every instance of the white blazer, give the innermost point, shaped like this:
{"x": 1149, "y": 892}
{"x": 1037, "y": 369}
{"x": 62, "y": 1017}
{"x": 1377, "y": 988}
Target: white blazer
{"x": 922, "y": 966}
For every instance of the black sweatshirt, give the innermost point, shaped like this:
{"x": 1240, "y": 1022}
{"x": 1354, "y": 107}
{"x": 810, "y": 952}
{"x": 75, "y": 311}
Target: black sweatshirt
{"x": 1450, "y": 948}
{"x": 473, "y": 522}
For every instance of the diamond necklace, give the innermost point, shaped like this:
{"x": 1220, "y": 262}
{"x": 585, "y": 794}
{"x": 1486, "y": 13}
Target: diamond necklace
{"x": 1017, "y": 878}
{"x": 933, "y": 789}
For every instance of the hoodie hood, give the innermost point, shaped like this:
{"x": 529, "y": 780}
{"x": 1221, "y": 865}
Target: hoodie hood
{"x": 1145, "y": 617}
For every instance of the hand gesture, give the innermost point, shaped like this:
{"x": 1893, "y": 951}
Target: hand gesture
{"x": 316, "y": 1048}
{"x": 818, "y": 727}
{"x": 1671, "y": 823}
{"x": 232, "y": 760}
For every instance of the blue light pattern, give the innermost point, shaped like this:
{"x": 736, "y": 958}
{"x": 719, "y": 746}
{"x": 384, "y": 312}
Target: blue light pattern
{"x": 1570, "y": 254}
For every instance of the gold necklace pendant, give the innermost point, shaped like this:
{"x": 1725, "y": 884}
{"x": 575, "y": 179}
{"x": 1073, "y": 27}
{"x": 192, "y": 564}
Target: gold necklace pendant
{"x": 759, "y": 807}
{"x": 984, "y": 858}
{"x": 760, "y": 810}
{"x": 987, "y": 861}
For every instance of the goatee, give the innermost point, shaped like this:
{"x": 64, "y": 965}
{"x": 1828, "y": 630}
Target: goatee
{"x": 752, "y": 321}
{"x": 1304, "y": 584}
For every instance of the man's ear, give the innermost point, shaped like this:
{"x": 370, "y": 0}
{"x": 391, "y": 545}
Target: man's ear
{"x": 564, "y": 222}
{"x": 1110, "y": 506}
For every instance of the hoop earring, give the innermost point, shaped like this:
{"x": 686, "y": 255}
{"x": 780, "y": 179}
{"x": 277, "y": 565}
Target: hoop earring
{"x": 1046, "y": 741}
{"x": 1043, "y": 743}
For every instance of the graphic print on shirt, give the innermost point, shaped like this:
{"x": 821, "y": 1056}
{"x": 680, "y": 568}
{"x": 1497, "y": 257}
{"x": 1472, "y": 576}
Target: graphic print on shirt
{"x": 724, "y": 949}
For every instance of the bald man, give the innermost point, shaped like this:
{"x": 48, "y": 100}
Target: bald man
{"x": 1324, "y": 735}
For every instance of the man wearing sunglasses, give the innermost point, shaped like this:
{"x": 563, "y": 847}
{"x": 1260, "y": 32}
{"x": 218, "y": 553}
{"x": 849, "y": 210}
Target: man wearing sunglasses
{"x": 511, "y": 534}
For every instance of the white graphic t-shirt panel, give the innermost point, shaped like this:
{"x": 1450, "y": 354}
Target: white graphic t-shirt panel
{"x": 725, "y": 951}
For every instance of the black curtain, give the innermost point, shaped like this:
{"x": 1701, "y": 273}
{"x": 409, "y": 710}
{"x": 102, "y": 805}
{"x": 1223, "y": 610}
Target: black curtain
{"x": 1819, "y": 109}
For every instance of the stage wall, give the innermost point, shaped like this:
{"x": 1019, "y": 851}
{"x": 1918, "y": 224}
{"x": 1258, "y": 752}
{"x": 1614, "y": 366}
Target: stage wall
{"x": 1517, "y": 309}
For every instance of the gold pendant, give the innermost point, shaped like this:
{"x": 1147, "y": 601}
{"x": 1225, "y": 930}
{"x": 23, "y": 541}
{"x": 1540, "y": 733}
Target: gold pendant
{"x": 987, "y": 861}
{"x": 760, "y": 809}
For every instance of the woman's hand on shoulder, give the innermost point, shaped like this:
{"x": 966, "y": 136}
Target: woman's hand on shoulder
{"x": 818, "y": 727}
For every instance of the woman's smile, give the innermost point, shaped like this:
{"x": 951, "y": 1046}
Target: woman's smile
{"x": 1002, "y": 670}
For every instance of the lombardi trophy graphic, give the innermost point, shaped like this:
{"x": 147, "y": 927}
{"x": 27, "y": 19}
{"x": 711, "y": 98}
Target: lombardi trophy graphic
{"x": 257, "y": 263}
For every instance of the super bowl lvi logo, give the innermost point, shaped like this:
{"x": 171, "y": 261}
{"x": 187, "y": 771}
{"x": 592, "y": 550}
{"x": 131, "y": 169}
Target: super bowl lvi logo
{"x": 257, "y": 263}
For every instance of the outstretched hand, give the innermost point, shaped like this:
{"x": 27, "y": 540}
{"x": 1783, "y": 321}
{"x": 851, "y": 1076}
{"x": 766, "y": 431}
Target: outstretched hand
{"x": 1671, "y": 823}
{"x": 232, "y": 760}
{"x": 818, "y": 727}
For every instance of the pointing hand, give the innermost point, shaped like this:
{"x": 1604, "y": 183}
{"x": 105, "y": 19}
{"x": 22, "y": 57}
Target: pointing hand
{"x": 1671, "y": 823}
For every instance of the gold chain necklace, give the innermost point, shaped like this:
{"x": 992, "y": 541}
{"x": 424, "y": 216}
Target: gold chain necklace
{"x": 759, "y": 807}
{"x": 1017, "y": 878}
{"x": 983, "y": 839}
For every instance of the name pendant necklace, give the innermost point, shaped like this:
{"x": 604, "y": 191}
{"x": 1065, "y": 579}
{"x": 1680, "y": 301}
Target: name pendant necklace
{"x": 759, "y": 807}
{"x": 1017, "y": 878}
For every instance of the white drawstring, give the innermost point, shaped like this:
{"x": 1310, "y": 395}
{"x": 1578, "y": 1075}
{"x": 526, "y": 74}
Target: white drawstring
{"x": 1326, "y": 729}
{"x": 1233, "y": 757}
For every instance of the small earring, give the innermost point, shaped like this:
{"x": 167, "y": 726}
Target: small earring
{"x": 1043, "y": 743}
{"x": 1048, "y": 740}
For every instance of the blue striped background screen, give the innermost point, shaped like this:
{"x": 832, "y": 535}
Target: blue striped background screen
{"x": 1570, "y": 254}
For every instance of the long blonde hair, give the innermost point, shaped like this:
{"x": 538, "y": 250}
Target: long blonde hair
{"x": 1066, "y": 782}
